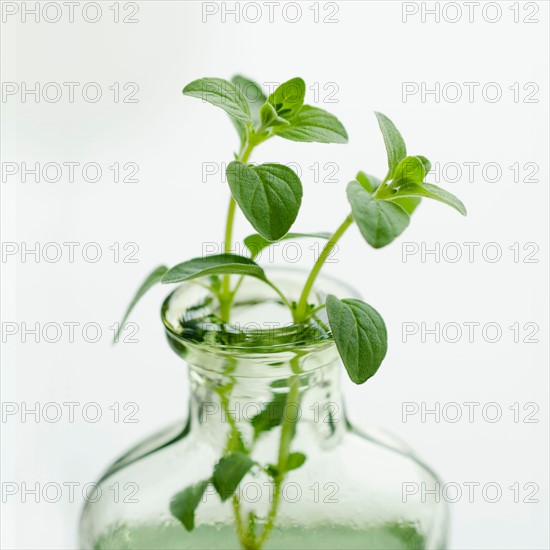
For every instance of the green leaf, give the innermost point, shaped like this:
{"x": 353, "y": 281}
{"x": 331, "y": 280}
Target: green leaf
{"x": 270, "y": 416}
{"x": 314, "y": 125}
{"x": 184, "y": 503}
{"x": 370, "y": 183}
{"x": 430, "y": 191}
{"x": 269, "y": 195}
{"x": 295, "y": 460}
{"x": 360, "y": 335}
{"x": 229, "y": 472}
{"x": 252, "y": 93}
{"x": 395, "y": 146}
{"x": 221, "y": 93}
{"x": 288, "y": 98}
{"x": 152, "y": 279}
{"x": 380, "y": 222}
{"x": 427, "y": 164}
{"x": 408, "y": 204}
{"x": 215, "y": 264}
{"x": 256, "y": 243}
{"x": 409, "y": 170}
{"x": 269, "y": 117}
{"x": 255, "y": 97}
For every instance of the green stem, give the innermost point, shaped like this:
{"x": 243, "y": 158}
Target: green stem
{"x": 281, "y": 295}
{"x": 241, "y": 529}
{"x": 288, "y": 429}
{"x": 302, "y": 312}
{"x": 226, "y": 294}
{"x": 316, "y": 309}
{"x": 234, "y": 437}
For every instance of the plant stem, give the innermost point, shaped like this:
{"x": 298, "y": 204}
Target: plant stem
{"x": 241, "y": 530}
{"x": 288, "y": 429}
{"x": 233, "y": 437}
{"x": 226, "y": 295}
{"x": 302, "y": 312}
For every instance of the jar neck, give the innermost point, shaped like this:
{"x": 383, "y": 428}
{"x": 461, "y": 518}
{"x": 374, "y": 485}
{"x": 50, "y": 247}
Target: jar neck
{"x": 256, "y": 406}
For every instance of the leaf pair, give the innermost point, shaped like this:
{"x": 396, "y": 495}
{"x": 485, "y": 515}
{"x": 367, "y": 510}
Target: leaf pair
{"x": 283, "y": 112}
{"x": 382, "y": 209}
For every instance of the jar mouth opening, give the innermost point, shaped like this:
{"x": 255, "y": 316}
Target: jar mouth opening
{"x": 260, "y": 323}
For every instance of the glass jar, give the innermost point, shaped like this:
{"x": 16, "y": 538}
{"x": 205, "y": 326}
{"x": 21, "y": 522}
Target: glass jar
{"x": 267, "y": 392}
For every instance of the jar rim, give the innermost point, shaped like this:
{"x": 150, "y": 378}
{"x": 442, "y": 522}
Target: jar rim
{"x": 291, "y": 337}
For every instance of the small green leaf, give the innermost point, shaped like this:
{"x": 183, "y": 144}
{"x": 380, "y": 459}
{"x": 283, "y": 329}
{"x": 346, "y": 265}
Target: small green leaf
{"x": 409, "y": 170}
{"x": 229, "y": 472}
{"x": 427, "y": 164}
{"x": 269, "y": 117}
{"x": 430, "y": 191}
{"x": 270, "y": 416}
{"x": 221, "y": 93}
{"x": 256, "y": 243}
{"x": 269, "y": 195}
{"x": 378, "y": 222}
{"x": 360, "y": 335}
{"x": 370, "y": 183}
{"x": 288, "y": 98}
{"x": 312, "y": 124}
{"x": 295, "y": 460}
{"x": 255, "y": 97}
{"x": 395, "y": 146}
{"x": 152, "y": 279}
{"x": 210, "y": 265}
{"x": 253, "y": 94}
{"x": 184, "y": 503}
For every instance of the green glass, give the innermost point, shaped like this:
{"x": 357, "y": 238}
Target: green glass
{"x": 347, "y": 494}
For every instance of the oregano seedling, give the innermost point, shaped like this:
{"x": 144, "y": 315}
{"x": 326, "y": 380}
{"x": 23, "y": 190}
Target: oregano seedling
{"x": 270, "y": 196}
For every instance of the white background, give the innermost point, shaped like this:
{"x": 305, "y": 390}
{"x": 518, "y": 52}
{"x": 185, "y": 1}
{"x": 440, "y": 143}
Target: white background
{"x": 366, "y": 56}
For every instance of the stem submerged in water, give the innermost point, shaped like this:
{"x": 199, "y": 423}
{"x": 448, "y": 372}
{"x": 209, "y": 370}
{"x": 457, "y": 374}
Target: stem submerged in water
{"x": 288, "y": 430}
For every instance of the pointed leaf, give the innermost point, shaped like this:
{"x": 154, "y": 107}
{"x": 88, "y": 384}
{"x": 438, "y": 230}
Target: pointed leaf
{"x": 255, "y": 97}
{"x": 184, "y": 504}
{"x": 221, "y": 93}
{"x": 380, "y": 222}
{"x": 370, "y": 183}
{"x": 427, "y": 164}
{"x": 295, "y": 460}
{"x": 430, "y": 191}
{"x": 256, "y": 243}
{"x": 288, "y": 98}
{"x": 395, "y": 146}
{"x": 269, "y": 117}
{"x": 270, "y": 416}
{"x": 269, "y": 195}
{"x": 409, "y": 170}
{"x": 152, "y": 279}
{"x": 229, "y": 472}
{"x": 360, "y": 335}
{"x": 408, "y": 204}
{"x": 312, "y": 124}
{"x": 210, "y": 265}
{"x": 252, "y": 93}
